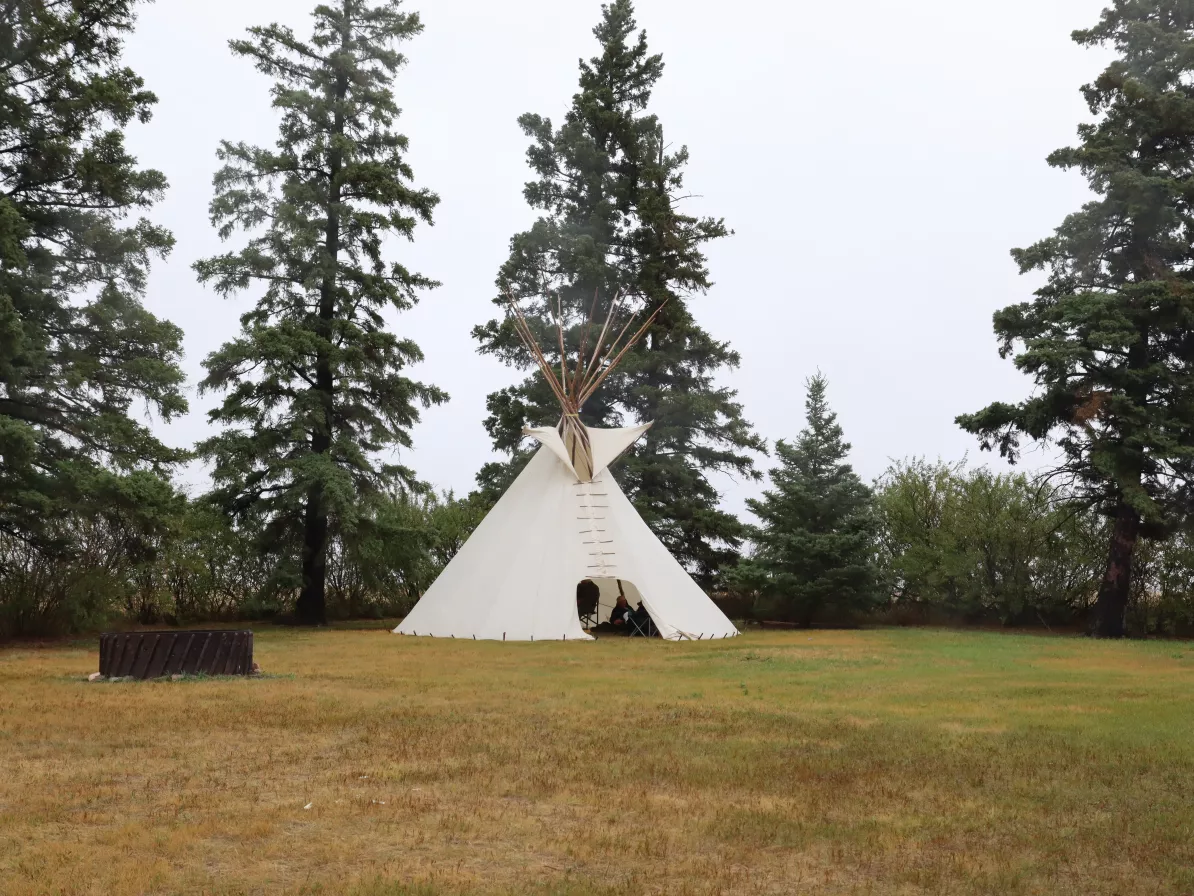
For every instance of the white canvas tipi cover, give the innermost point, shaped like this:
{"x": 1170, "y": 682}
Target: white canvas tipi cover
{"x": 515, "y": 579}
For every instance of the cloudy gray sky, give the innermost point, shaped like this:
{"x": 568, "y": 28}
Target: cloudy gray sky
{"x": 876, "y": 160}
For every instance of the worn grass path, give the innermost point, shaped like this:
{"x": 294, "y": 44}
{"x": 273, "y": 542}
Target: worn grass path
{"x": 890, "y": 761}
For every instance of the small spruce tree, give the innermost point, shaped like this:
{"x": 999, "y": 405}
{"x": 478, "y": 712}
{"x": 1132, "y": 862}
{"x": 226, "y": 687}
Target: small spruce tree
{"x": 815, "y": 545}
{"x": 315, "y": 385}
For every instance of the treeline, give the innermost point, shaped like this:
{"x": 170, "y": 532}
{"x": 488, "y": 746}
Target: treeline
{"x": 972, "y": 546}
{"x": 309, "y": 515}
{"x": 938, "y": 543}
{"x": 168, "y": 559}
{"x": 951, "y": 545}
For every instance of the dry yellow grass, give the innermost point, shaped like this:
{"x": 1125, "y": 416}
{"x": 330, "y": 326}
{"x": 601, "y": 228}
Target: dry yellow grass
{"x": 871, "y": 762}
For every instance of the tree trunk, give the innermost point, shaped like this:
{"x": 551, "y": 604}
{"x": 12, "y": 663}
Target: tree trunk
{"x": 311, "y": 608}
{"x": 1117, "y": 580}
{"x": 807, "y": 612}
{"x": 1116, "y": 586}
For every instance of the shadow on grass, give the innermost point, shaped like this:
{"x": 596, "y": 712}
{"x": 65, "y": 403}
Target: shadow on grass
{"x": 184, "y": 679}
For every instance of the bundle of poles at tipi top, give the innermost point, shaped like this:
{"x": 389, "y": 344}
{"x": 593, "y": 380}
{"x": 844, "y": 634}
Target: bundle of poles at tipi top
{"x": 574, "y": 387}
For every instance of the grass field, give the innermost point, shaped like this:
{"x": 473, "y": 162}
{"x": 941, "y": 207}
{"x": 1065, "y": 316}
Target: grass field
{"x": 890, "y": 761}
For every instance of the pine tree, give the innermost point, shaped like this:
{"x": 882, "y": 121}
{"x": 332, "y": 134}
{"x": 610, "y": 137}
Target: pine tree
{"x": 1109, "y": 339}
{"x": 814, "y": 550}
{"x": 77, "y": 348}
{"x": 609, "y": 190}
{"x": 314, "y": 383}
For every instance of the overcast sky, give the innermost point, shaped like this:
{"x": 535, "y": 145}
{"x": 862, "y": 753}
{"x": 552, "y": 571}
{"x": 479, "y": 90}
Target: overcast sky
{"x": 876, "y": 162}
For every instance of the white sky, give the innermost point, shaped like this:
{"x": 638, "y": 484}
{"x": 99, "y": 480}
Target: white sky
{"x": 876, "y": 160}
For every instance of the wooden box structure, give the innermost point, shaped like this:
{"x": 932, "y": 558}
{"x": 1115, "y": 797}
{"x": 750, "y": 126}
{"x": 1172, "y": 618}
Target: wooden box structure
{"x": 155, "y": 654}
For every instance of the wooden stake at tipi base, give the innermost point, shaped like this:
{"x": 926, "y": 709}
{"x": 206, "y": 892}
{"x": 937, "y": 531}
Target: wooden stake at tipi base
{"x": 563, "y": 520}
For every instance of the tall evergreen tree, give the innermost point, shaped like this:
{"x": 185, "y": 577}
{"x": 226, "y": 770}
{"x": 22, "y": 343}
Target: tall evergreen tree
{"x": 609, "y": 191}
{"x": 315, "y": 385}
{"x": 1109, "y": 339}
{"x": 814, "y": 550}
{"x": 77, "y": 348}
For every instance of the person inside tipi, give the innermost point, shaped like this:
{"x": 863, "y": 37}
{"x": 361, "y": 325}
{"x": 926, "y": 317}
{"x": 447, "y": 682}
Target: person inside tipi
{"x": 617, "y": 616}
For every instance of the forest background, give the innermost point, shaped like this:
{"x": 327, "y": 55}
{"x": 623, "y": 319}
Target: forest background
{"x": 944, "y": 541}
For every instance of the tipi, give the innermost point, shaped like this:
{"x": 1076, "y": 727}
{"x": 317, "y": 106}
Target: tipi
{"x": 562, "y": 521}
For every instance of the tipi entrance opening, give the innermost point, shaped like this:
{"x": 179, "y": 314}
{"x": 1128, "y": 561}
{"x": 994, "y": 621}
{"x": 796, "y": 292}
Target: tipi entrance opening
{"x": 609, "y": 590}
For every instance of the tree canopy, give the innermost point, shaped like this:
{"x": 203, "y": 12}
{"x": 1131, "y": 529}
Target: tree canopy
{"x": 1109, "y": 339}
{"x": 814, "y": 547}
{"x": 315, "y": 389}
{"x": 80, "y": 356}
{"x": 610, "y": 191}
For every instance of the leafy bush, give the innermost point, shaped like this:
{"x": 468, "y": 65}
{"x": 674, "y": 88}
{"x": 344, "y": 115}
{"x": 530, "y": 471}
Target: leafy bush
{"x": 980, "y": 545}
{"x": 153, "y": 556}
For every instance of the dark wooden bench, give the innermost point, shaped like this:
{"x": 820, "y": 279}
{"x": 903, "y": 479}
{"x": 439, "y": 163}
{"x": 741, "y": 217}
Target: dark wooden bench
{"x": 155, "y": 654}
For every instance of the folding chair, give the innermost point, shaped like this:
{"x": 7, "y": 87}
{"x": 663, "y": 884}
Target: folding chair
{"x": 642, "y": 628}
{"x": 588, "y": 615}
{"x": 588, "y": 596}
